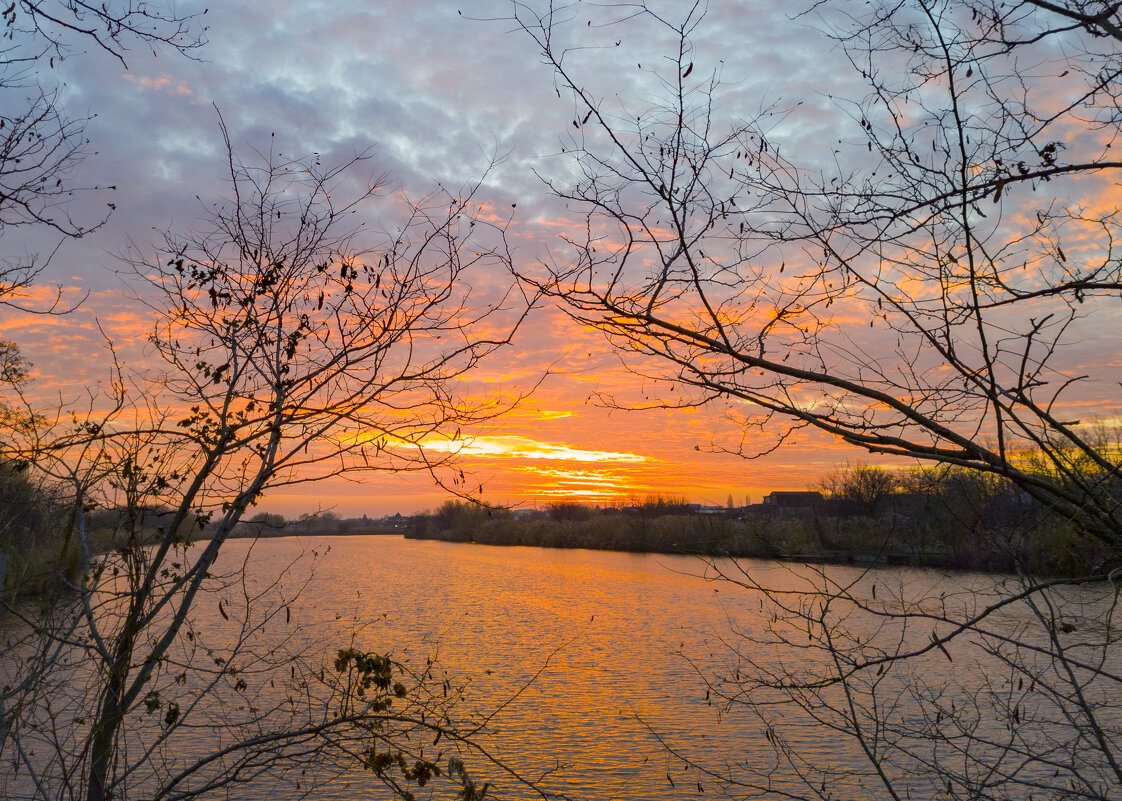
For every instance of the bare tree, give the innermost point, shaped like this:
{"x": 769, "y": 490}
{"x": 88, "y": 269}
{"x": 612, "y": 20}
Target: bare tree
{"x": 861, "y": 488}
{"x": 297, "y": 348}
{"x": 41, "y": 145}
{"x": 872, "y": 685}
{"x": 958, "y": 219}
{"x": 915, "y": 287}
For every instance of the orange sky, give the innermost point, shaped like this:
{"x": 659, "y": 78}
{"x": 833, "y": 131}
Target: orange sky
{"x": 561, "y": 443}
{"x": 438, "y": 101}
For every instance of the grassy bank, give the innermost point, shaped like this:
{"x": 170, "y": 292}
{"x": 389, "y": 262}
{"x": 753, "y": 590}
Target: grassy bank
{"x": 1019, "y": 540}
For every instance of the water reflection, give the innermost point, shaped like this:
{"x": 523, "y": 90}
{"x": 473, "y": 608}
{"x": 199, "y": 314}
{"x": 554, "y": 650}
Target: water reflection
{"x": 594, "y": 664}
{"x": 616, "y": 646}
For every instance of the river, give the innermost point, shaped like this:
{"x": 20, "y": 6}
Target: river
{"x": 614, "y": 650}
{"x": 598, "y": 639}
{"x": 604, "y": 669}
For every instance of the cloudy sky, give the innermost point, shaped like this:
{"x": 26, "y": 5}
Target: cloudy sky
{"x": 438, "y": 90}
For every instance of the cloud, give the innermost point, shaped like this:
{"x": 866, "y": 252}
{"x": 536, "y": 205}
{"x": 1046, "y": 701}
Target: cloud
{"x": 162, "y": 84}
{"x": 518, "y": 447}
{"x": 441, "y": 100}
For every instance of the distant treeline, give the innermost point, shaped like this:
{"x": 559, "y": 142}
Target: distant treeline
{"x": 322, "y": 524}
{"x": 935, "y": 517}
{"x": 36, "y": 555}
{"x": 103, "y": 523}
{"x": 40, "y": 554}
{"x": 938, "y": 518}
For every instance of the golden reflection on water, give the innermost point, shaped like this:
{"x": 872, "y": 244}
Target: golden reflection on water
{"x": 598, "y": 656}
{"x": 603, "y": 635}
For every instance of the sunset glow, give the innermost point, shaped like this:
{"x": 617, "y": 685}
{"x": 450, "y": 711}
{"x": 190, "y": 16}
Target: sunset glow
{"x": 447, "y": 101}
{"x": 516, "y": 447}
{"x": 601, "y": 399}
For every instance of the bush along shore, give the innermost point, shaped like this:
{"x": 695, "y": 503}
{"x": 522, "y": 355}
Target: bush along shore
{"x": 964, "y": 525}
{"x": 41, "y": 558}
{"x": 862, "y": 515}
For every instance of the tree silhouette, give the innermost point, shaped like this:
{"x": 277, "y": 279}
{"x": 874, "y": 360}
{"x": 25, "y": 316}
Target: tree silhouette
{"x": 296, "y": 348}
{"x": 919, "y": 298}
{"x": 914, "y": 286}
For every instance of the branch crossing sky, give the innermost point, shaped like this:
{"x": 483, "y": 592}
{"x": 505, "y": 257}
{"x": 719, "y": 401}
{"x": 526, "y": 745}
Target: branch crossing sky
{"x": 438, "y": 90}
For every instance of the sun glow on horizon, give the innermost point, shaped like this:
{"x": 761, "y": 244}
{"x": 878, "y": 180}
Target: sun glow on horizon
{"x": 584, "y": 486}
{"x": 519, "y": 447}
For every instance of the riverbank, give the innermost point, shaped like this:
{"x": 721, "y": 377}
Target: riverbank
{"x": 1041, "y": 547}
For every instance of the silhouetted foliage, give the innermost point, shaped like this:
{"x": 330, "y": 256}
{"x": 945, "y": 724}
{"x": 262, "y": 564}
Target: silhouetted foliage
{"x": 296, "y": 348}
{"x": 913, "y": 284}
{"x": 568, "y": 510}
{"x": 458, "y": 520}
{"x": 861, "y": 489}
{"x": 35, "y": 553}
{"x": 959, "y": 217}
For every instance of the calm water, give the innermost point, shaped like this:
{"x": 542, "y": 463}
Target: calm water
{"x": 596, "y": 657}
{"x": 602, "y": 633}
{"x": 618, "y": 643}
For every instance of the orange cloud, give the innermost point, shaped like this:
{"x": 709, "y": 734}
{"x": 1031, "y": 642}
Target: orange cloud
{"x": 513, "y": 446}
{"x": 162, "y": 84}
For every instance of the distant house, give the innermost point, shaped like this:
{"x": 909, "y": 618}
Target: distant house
{"x": 789, "y": 500}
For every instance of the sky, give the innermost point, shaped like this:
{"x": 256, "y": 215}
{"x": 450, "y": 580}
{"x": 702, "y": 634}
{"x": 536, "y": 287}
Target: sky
{"x": 437, "y": 91}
